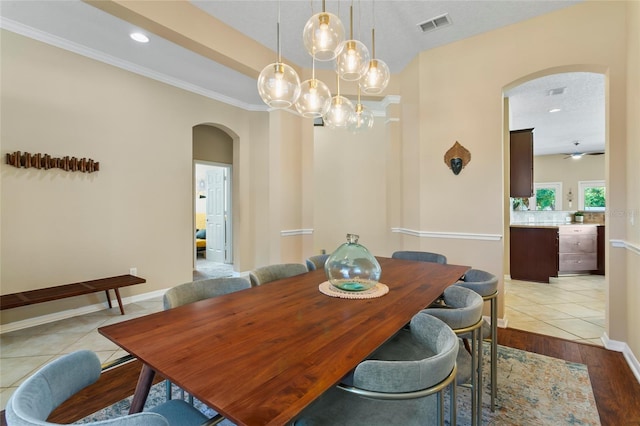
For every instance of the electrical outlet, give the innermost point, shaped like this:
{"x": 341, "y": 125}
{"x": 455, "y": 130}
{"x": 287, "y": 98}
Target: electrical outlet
{"x": 133, "y": 271}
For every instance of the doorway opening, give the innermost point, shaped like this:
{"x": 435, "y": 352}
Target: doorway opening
{"x": 213, "y": 219}
{"x": 563, "y": 108}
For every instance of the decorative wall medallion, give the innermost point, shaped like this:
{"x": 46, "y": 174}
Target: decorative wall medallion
{"x": 457, "y": 157}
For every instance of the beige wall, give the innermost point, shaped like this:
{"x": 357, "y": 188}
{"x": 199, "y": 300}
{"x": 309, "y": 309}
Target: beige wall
{"x": 632, "y": 288}
{"x": 350, "y": 181}
{"x": 212, "y": 144}
{"x": 557, "y": 168}
{"x": 61, "y": 227}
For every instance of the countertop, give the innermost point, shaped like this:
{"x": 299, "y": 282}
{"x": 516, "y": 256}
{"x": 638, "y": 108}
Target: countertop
{"x": 550, "y": 224}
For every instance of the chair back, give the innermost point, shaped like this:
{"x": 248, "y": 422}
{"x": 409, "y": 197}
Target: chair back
{"x": 202, "y": 289}
{"x": 401, "y": 384}
{"x": 420, "y": 256}
{"x": 40, "y": 394}
{"x": 482, "y": 282}
{"x": 316, "y": 262}
{"x": 424, "y": 366}
{"x": 463, "y": 308}
{"x": 279, "y": 271}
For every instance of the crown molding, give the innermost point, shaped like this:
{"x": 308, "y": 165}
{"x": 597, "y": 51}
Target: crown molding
{"x": 79, "y": 49}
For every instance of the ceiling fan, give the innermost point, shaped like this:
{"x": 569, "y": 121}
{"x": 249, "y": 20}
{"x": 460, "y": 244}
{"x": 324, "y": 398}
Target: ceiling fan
{"x": 577, "y": 154}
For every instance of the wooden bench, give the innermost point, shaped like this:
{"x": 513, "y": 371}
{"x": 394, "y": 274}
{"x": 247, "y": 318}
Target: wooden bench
{"x": 8, "y": 301}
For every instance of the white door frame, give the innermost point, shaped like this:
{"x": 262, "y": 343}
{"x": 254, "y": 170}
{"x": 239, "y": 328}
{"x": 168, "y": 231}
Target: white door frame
{"x": 229, "y": 206}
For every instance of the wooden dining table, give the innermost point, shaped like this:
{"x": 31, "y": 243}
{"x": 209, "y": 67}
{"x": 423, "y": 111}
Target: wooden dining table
{"x": 261, "y": 355}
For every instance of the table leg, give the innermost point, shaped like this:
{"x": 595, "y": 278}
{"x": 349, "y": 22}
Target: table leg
{"x": 108, "y": 298}
{"x": 142, "y": 389}
{"x": 119, "y": 300}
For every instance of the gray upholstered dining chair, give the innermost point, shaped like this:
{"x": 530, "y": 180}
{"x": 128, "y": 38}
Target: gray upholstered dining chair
{"x": 200, "y": 290}
{"x": 401, "y": 383}
{"x": 486, "y": 285}
{"x": 275, "y": 272}
{"x": 40, "y": 394}
{"x": 317, "y": 261}
{"x": 462, "y": 311}
{"x": 420, "y": 256}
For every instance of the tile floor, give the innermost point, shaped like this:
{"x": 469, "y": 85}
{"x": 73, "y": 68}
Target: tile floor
{"x": 569, "y": 307}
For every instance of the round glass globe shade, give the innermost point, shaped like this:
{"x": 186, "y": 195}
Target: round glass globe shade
{"x": 322, "y": 36}
{"x": 279, "y": 85}
{"x": 361, "y": 120}
{"x": 376, "y": 79}
{"x": 314, "y": 100}
{"x": 339, "y": 113}
{"x": 352, "y": 61}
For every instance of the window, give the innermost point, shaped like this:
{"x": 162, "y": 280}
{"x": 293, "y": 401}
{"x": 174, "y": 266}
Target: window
{"x": 547, "y": 196}
{"x": 591, "y": 195}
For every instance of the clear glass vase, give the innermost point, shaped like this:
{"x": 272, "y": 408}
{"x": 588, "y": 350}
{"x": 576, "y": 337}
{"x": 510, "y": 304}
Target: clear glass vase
{"x": 352, "y": 267}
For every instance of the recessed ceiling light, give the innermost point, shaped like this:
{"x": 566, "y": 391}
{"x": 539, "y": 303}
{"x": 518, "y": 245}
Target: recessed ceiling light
{"x": 139, "y": 37}
{"x": 555, "y": 110}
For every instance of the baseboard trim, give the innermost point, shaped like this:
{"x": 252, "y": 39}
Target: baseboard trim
{"x": 502, "y": 322}
{"x": 70, "y": 313}
{"x": 618, "y": 346}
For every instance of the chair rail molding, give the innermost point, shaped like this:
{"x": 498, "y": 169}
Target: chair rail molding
{"x": 635, "y": 248}
{"x": 452, "y": 235}
{"x": 294, "y": 232}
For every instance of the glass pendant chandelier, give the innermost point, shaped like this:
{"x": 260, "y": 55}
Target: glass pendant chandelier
{"x": 353, "y": 60}
{"x": 340, "y": 111}
{"x": 315, "y": 97}
{"x": 322, "y": 35}
{"x": 278, "y": 83}
{"x": 362, "y": 118}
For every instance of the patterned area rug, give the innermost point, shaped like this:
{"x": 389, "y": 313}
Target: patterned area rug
{"x": 532, "y": 390}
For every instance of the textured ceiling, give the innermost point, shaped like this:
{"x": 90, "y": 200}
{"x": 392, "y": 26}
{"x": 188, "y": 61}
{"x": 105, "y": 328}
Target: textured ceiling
{"x": 79, "y": 27}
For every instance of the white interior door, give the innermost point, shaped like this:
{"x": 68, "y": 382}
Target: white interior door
{"x": 216, "y": 240}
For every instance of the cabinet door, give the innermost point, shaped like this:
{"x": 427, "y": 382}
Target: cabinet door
{"x": 533, "y": 254}
{"x": 600, "y": 233}
{"x": 521, "y": 164}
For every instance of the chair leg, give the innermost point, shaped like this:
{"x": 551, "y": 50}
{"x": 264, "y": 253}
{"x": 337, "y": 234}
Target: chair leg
{"x": 479, "y": 373}
{"x": 474, "y": 377}
{"x": 453, "y": 403}
{"x": 494, "y": 352}
{"x": 167, "y": 385}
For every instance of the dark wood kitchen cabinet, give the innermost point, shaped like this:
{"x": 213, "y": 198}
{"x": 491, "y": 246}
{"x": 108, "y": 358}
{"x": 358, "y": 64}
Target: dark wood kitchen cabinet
{"x": 600, "y": 248}
{"x": 521, "y": 163}
{"x": 533, "y": 253}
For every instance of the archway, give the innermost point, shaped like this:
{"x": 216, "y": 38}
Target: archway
{"x": 213, "y": 200}
{"x": 573, "y": 306}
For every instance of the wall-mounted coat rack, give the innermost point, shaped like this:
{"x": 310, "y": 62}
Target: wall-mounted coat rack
{"x": 45, "y": 161}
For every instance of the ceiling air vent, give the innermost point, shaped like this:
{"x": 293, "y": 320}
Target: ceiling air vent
{"x": 558, "y": 91}
{"x": 435, "y": 23}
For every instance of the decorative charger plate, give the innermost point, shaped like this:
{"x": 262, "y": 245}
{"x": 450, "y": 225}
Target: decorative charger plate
{"x": 376, "y": 291}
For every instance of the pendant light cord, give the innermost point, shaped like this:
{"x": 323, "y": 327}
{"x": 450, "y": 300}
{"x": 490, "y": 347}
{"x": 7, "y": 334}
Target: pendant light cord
{"x": 278, "y": 35}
